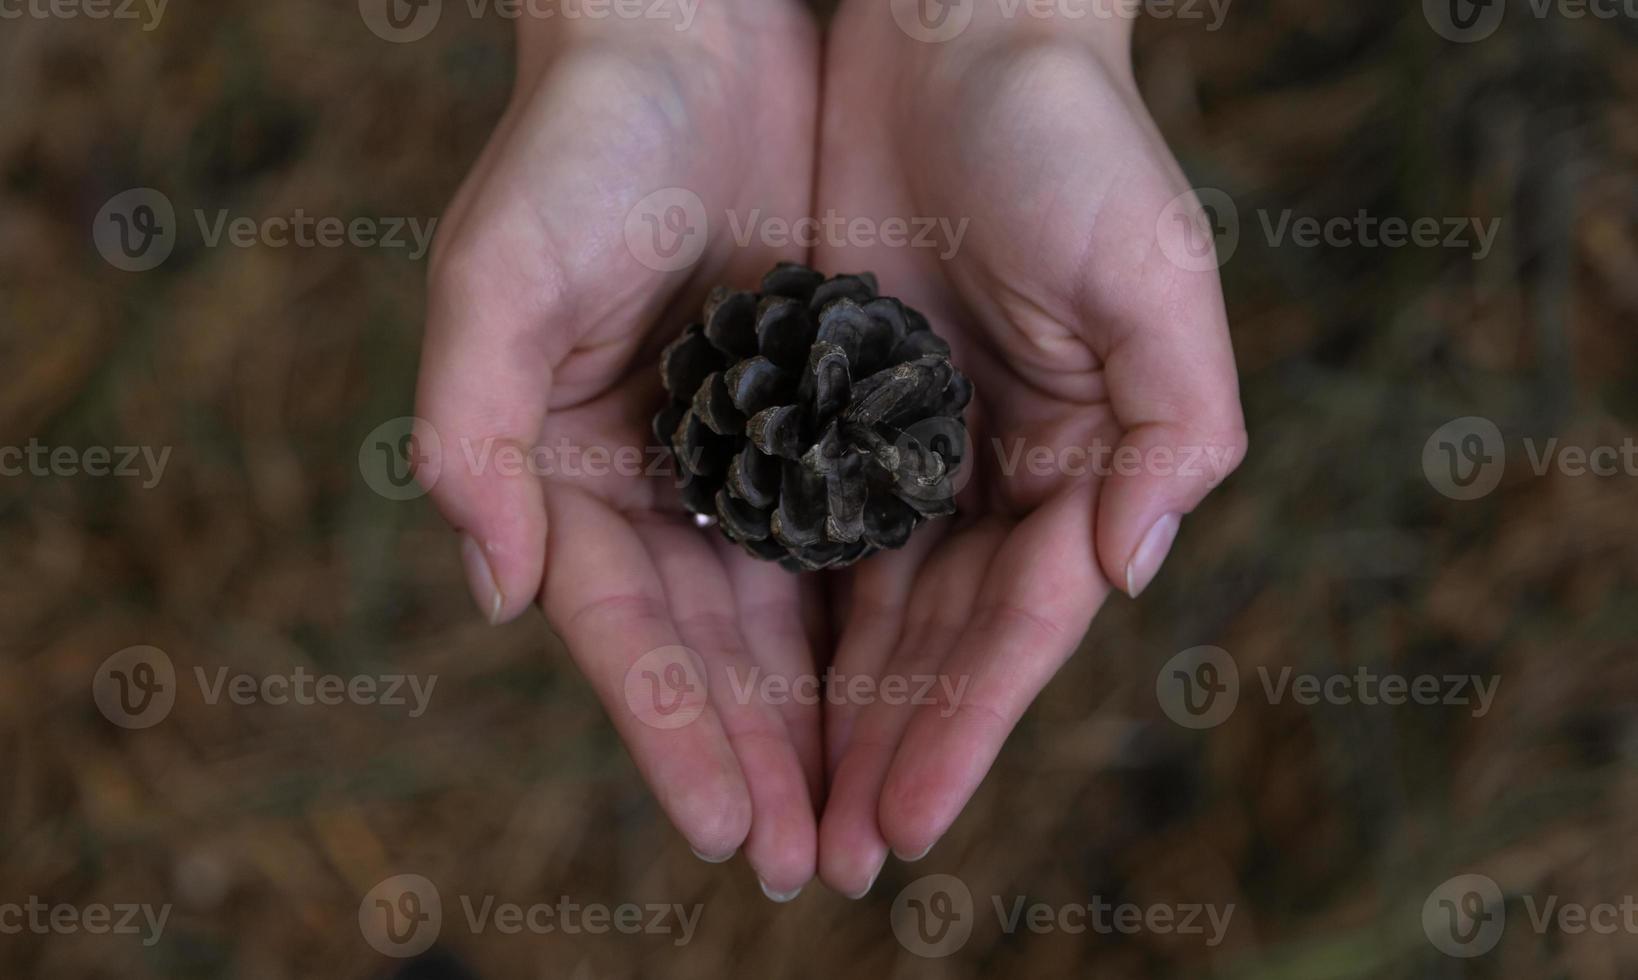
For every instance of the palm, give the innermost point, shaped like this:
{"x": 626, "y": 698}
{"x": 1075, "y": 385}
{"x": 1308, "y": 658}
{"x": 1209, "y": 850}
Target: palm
{"x": 1061, "y": 179}
{"x": 549, "y": 231}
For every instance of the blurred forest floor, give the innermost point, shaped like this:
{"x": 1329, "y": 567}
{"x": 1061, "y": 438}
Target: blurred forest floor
{"x": 262, "y": 548}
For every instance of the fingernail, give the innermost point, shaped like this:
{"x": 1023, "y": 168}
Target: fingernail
{"x": 708, "y": 859}
{"x": 909, "y": 859}
{"x": 861, "y": 893}
{"x": 1146, "y": 561}
{"x": 780, "y": 897}
{"x": 480, "y": 578}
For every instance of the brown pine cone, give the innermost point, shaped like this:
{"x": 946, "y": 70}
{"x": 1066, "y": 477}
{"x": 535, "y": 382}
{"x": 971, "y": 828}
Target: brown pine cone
{"x": 815, "y": 421}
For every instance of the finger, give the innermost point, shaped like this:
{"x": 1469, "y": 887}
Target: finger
{"x": 486, "y": 375}
{"x": 852, "y": 848}
{"x": 1172, "y": 385}
{"x": 782, "y": 843}
{"x": 873, "y": 616}
{"x": 1041, "y": 589}
{"x": 605, "y": 598}
{"x": 771, "y": 620}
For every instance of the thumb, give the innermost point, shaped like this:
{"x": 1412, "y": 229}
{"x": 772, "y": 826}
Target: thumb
{"x": 486, "y": 375}
{"x": 1173, "y": 388}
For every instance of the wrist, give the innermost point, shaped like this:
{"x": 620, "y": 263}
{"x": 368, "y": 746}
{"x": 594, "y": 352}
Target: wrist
{"x": 1104, "y": 27}
{"x": 548, "y": 27}
{"x": 546, "y": 31}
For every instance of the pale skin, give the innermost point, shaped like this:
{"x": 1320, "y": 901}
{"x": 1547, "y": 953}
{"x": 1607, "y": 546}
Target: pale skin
{"x": 1059, "y": 303}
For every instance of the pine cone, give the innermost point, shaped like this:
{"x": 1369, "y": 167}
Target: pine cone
{"x": 815, "y": 421}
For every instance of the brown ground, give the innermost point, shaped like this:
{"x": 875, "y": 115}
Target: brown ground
{"x": 262, "y": 548}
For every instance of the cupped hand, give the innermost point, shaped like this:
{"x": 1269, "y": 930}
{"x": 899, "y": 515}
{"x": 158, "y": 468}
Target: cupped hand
{"x": 590, "y": 224}
{"x": 1107, "y": 402}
